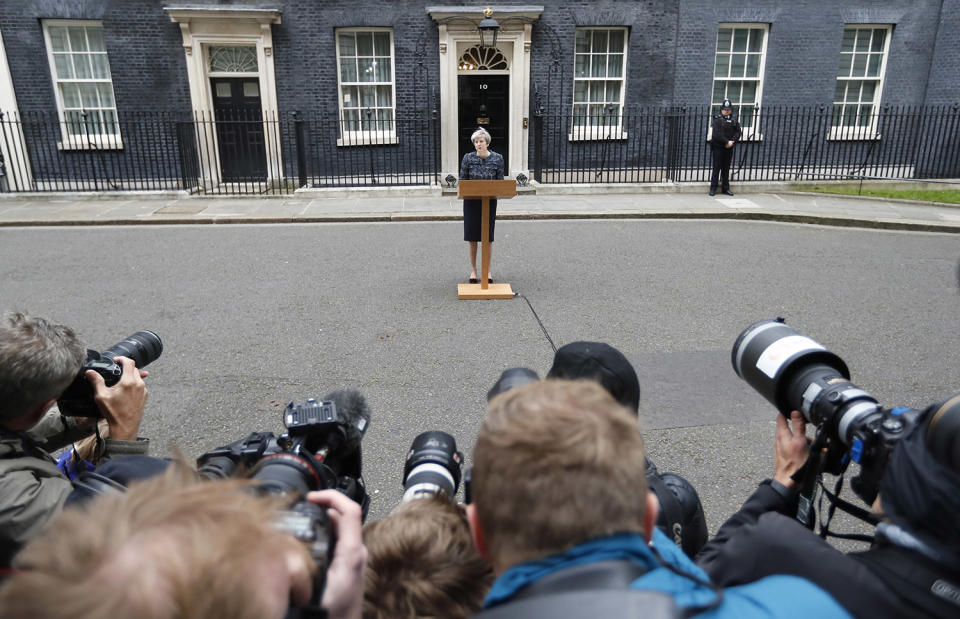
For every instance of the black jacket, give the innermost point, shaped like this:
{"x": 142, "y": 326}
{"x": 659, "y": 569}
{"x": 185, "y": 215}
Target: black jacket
{"x": 762, "y": 539}
{"x": 725, "y": 129}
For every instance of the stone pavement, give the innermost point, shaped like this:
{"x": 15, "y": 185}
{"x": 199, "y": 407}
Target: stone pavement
{"x": 768, "y": 202}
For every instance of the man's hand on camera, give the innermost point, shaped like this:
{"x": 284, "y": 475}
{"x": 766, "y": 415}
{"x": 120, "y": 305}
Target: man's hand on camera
{"x": 122, "y": 404}
{"x": 790, "y": 448}
{"x": 343, "y": 594}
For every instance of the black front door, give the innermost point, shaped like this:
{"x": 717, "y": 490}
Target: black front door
{"x": 484, "y": 101}
{"x": 236, "y": 108}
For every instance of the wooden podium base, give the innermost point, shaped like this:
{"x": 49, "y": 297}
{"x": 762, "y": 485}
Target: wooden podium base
{"x": 476, "y": 291}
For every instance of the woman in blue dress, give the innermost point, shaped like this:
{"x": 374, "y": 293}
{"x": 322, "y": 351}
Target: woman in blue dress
{"x": 481, "y": 165}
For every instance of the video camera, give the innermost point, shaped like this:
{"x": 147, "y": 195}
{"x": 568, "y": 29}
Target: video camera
{"x": 144, "y": 347}
{"x": 794, "y": 372}
{"x": 320, "y": 450}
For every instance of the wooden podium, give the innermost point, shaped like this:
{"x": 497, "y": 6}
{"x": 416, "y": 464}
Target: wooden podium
{"x": 486, "y": 191}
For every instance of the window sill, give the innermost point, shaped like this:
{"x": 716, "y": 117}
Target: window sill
{"x": 597, "y": 136}
{"x": 380, "y": 140}
{"x": 110, "y": 144}
{"x": 853, "y": 135}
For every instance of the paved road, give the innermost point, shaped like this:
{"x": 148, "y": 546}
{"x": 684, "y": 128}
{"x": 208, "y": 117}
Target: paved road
{"x": 255, "y": 315}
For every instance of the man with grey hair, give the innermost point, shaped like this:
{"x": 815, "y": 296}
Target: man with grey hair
{"x": 38, "y": 361}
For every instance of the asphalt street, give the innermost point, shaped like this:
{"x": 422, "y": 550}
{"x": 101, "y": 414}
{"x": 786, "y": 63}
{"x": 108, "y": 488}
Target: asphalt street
{"x": 253, "y": 316}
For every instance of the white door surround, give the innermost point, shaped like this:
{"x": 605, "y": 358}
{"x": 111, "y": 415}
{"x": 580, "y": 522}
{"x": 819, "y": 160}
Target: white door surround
{"x": 226, "y": 25}
{"x": 19, "y": 177}
{"x": 457, "y": 31}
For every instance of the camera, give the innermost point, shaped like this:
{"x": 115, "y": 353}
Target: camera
{"x": 320, "y": 450}
{"x": 794, "y": 372}
{"x": 144, "y": 347}
{"x": 432, "y": 467}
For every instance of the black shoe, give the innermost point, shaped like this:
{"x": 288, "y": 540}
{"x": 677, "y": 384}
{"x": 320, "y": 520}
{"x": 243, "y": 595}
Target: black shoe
{"x": 473, "y": 280}
{"x": 728, "y": 192}
{"x": 713, "y": 192}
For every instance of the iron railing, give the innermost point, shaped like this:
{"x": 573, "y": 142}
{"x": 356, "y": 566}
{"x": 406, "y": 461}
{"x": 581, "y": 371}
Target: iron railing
{"x": 222, "y": 153}
{"x": 781, "y": 144}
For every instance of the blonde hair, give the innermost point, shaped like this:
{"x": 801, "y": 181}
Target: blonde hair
{"x": 556, "y": 463}
{"x": 170, "y": 547}
{"x": 481, "y": 133}
{"x": 421, "y": 562}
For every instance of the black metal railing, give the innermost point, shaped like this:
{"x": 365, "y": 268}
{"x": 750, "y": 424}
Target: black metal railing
{"x": 232, "y": 152}
{"x": 780, "y": 144}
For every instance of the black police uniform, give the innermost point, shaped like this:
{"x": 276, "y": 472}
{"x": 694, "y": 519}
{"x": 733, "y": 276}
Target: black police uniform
{"x": 724, "y": 129}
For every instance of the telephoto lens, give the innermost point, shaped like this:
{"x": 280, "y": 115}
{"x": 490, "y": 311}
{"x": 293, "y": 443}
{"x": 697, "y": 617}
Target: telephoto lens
{"x": 144, "y": 347}
{"x": 432, "y": 467}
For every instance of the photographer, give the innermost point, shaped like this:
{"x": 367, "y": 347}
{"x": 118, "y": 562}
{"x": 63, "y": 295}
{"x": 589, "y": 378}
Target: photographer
{"x": 561, "y": 510}
{"x": 174, "y": 547}
{"x": 38, "y": 361}
{"x": 681, "y": 515}
{"x": 911, "y": 570}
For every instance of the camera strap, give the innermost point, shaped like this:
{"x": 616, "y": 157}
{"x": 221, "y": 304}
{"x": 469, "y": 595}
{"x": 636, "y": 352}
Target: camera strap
{"x": 845, "y": 506}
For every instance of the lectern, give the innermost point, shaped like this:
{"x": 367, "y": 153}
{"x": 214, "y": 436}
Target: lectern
{"x": 485, "y": 191}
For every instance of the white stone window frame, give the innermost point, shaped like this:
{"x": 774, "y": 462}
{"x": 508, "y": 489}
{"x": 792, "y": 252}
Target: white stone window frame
{"x": 868, "y": 131}
{"x": 751, "y": 132}
{"x": 86, "y": 140}
{"x": 366, "y": 137}
{"x": 604, "y": 132}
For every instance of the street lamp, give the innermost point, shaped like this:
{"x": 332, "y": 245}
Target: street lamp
{"x": 488, "y": 29}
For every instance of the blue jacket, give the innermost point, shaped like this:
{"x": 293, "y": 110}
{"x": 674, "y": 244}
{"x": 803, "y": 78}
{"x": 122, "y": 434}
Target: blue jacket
{"x": 774, "y": 596}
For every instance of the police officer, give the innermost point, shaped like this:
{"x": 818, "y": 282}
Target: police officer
{"x": 726, "y": 132}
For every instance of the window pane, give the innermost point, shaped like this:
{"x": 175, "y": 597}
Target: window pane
{"x": 351, "y": 96}
{"x": 582, "y": 42}
{"x": 106, "y": 94}
{"x": 58, "y": 38}
{"x": 579, "y": 91}
{"x": 78, "y": 40}
{"x": 251, "y": 88}
{"x": 853, "y": 91}
{"x": 110, "y": 125}
{"x": 223, "y": 90}
{"x": 873, "y": 70}
{"x": 756, "y": 39}
{"x": 95, "y": 39}
{"x": 101, "y": 68}
{"x": 863, "y": 40}
{"x": 720, "y": 68}
{"x": 849, "y": 115}
{"x": 350, "y": 118}
{"x": 866, "y": 112}
{"x": 879, "y": 36}
{"x": 580, "y": 68}
{"x": 596, "y": 92}
{"x": 840, "y": 91}
{"x": 599, "y": 66}
{"x": 846, "y": 63}
{"x": 364, "y": 44}
{"x": 74, "y": 123}
{"x": 366, "y": 69}
{"x": 383, "y": 72}
{"x": 615, "y": 65}
{"x": 348, "y": 70}
{"x": 381, "y": 42}
{"x": 599, "y": 41}
{"x": 859, "y": 65}
{"x": 368, "y": 96}
{"x": 81, "y": 64}
{"x": 849, "y": 35}
{"x": 749, "y": 92}
{"x": 88, "y": 94}
{"x": 868, "y": 91}
{"x": 71, "y": 95}
{"x": 719, "y": 89}
{"x": 753, "y": 65}
{"x": 740, "y": 40}
{"x": 347, "y": 45}
{"x": 724, "y": 39}
{"x": 746, "y": 116}
{"x": 737, "y": 65}
{"x": 613, "y": 92}
{"x": 64, "y": 66}
{"x": 616, "y": 40}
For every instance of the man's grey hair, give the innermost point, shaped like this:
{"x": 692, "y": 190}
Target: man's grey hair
{"x": 38, "y": 360}
{"x": 481, "y": 133}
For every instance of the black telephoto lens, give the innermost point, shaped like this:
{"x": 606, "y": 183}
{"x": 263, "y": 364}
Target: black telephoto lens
{"x": 144, "y": 347}
{"x": 943, "y": 433}
{"x": 432, "y": 466}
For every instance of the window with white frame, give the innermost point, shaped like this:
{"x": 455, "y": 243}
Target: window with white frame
{"x": 599, "y": 82}
{"x": 863, "y": 61}
{"x": 366, "y": 78}
{"x": 738, "y": 71}
{"x": 82, "y": 83}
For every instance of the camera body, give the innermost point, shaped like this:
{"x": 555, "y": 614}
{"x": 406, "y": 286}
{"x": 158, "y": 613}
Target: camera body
{"x": 144, "y": 347}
